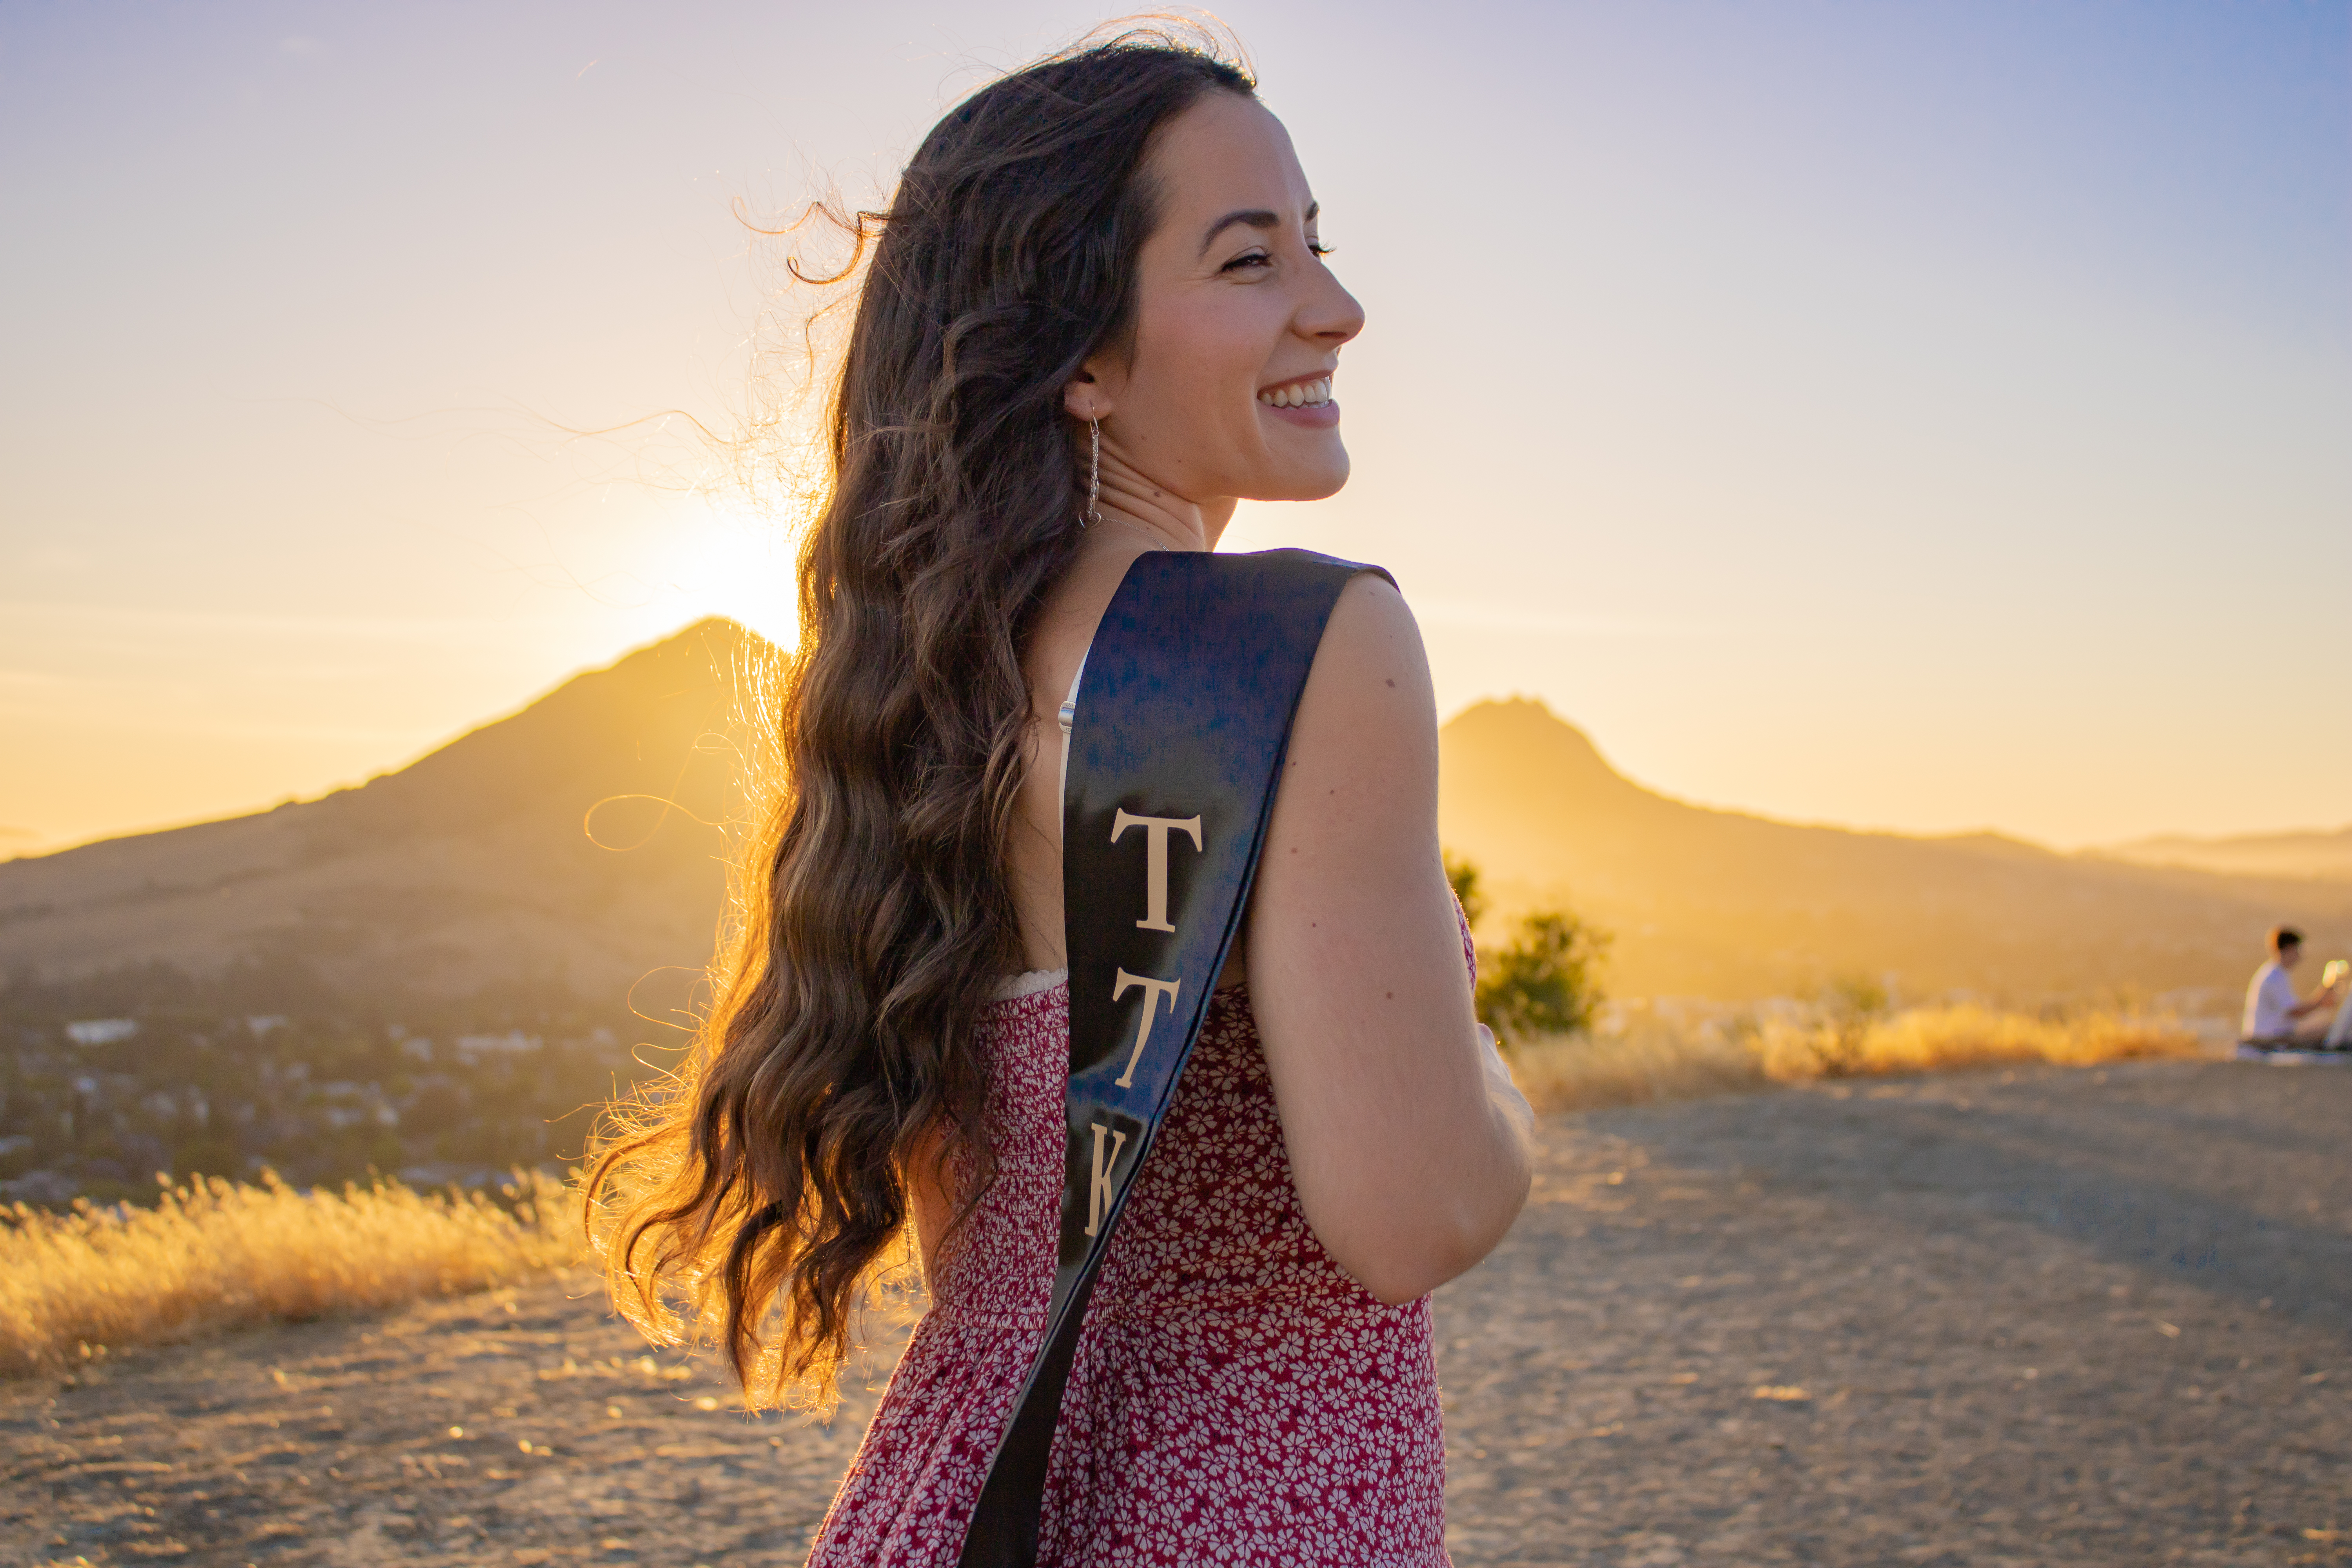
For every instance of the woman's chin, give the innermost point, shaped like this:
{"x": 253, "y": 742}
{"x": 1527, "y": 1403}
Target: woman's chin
{"x": 1318, "y": 480}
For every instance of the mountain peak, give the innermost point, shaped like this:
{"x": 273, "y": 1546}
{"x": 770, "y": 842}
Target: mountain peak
{"x": 1505, "y": 742}
{"x": 580, "y": 836}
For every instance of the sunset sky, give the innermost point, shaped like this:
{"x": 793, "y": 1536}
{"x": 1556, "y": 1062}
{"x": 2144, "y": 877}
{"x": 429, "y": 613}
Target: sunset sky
{"x": 1922, "y": 416}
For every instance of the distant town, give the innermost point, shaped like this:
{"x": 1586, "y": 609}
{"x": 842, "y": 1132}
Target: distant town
{"x": 97, "y": 1107}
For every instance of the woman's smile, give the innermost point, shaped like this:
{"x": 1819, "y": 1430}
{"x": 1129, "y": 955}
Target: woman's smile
{"x": 1304, "y": 400}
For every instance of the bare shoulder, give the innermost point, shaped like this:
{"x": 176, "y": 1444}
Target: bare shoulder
{"x": 1368, "y": 702}
{"x": 1372, "y": 618}
{"x": 1352, "y": 899}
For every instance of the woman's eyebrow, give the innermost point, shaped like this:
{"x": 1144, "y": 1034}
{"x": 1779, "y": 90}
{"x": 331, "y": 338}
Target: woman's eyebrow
{"x": 1253, "y": 217}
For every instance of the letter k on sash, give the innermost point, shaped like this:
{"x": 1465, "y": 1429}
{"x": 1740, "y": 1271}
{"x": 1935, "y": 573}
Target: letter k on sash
{"x": 1098, "y": 1193}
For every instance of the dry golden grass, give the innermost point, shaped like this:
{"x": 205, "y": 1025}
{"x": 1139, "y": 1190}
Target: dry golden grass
{"x": 214, "y": 1253}
{"x": 1660, "y": 1063}
{"x": 1581, "y": 1073}
{"x": 1945, "y": 1039}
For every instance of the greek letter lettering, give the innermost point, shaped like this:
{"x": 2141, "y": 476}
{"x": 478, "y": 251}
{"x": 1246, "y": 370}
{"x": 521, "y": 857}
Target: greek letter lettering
{"x": 1155, "y": 864}
{"x": 1098, "y": 1188}
{"x": 1153, "y": 990}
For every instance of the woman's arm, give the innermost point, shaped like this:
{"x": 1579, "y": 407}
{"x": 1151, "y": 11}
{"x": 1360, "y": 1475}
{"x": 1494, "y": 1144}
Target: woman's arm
{"x": 1407, "y": 1142}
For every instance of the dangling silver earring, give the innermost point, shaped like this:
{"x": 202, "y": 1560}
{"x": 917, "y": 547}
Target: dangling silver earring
{"x": 1093, "y": 514}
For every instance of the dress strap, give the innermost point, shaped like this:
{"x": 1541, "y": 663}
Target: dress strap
{"x": 1028, "y": 982}
{"x": 1069, "y": 716}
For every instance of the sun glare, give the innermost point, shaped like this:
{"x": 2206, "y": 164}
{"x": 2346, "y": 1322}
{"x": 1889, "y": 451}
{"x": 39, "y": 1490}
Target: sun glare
{"x": 727, "y": 562}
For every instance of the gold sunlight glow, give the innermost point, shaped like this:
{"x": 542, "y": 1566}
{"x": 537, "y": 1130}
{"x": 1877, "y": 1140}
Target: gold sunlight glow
{"x": 728, "y": 561}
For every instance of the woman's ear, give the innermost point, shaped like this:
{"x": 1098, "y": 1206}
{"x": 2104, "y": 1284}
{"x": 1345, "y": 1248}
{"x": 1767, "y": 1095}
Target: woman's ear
{"x": 1083, "y": 397}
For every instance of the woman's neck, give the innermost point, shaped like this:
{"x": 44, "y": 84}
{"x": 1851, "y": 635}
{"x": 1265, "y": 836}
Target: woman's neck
{"x": 1169, "y": 521}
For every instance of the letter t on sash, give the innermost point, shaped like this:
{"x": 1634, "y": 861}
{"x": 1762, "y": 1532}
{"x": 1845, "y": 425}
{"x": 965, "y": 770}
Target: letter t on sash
{"x": 1098, "y": 1188}
{"x": 1153, "y": 990}
{"x": 1155, "y": 862}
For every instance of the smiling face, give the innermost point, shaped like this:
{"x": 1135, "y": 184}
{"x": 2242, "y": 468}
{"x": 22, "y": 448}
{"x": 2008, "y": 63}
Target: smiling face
{"x": 1225, "y": 390}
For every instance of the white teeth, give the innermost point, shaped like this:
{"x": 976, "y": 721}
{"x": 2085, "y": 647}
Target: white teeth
{"x": 1297, "y": 396}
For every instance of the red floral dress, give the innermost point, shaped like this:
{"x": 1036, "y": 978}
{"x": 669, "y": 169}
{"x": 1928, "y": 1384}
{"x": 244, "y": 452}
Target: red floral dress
{"x": 1235, "y": 1398}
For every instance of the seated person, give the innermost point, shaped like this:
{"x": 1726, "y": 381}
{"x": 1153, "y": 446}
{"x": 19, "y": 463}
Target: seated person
{"x": 2272, "y": 1009}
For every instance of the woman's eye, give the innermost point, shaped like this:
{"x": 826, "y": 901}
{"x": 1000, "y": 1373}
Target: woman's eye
{"x": 1316, "y": 248}
{"x": 1254, "y": 258}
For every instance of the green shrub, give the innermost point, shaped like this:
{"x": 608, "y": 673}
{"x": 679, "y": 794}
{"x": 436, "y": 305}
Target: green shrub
{"x": 1546, "y": 981}
{"x": 1851, "y": 1004}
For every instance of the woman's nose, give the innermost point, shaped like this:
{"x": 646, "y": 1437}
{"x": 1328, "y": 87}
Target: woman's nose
{"x": 1331, "y": 315}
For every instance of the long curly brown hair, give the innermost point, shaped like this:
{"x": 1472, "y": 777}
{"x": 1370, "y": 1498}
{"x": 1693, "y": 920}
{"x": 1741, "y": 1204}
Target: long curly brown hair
{"x": 758, "y": 1194}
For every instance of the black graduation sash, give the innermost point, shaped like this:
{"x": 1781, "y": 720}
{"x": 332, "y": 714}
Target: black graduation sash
{"x": 1183, "y": 717}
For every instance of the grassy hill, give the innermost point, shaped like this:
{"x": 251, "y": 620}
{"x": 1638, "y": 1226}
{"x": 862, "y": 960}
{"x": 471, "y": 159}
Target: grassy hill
{"x": 572, "y": 851}
{"x": 574, "y": 848}
{"x": 1721, "y": 903}
{"x": 441, "y": 971}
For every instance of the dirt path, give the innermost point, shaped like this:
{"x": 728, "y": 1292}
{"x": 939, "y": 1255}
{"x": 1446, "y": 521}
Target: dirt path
{"x": 2053, "y": 1320}
{"x": 2071, "y": 1317}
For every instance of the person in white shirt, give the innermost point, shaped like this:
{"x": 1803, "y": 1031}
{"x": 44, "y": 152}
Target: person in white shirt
{"x": 2272, "y": 1009}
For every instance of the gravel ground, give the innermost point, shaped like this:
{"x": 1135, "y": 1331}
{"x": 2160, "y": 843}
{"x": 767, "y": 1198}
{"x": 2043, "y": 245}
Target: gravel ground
{"x": 2045, "y": 1317}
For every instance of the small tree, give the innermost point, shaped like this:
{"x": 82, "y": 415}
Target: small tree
{"x": 1852, "y": 1003}
{"x": 1546, "y": 981}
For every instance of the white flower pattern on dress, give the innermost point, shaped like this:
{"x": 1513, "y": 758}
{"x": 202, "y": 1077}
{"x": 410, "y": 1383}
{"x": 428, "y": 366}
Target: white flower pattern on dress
{"x": 1236, "y": 1397}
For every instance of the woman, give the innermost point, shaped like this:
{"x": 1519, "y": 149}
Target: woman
{"x": 1098, "y": 317}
